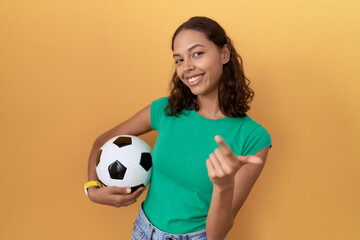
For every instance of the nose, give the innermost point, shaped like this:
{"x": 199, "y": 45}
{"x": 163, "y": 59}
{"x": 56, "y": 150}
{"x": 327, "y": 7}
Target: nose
{"x": 188, "y": 66}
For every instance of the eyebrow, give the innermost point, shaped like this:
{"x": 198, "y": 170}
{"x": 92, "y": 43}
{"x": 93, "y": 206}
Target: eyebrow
{"x": 189, "y": 49}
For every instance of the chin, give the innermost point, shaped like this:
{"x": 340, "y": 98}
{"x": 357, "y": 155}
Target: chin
{"x": 195, "y": 93}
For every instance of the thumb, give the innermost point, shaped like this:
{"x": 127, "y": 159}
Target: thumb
{"x": 250, "y": 159}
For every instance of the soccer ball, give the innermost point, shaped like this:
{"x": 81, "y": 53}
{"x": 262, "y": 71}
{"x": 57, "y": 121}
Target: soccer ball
{"x": 124, "y": 161}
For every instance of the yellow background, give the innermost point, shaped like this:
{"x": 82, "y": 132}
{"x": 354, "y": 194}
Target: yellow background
{"x": 71, "y": 70}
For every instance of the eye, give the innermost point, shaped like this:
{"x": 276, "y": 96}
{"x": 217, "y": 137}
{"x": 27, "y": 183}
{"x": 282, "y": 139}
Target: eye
{"x": 178, "y": 61}
{"x": 197, "y": 54}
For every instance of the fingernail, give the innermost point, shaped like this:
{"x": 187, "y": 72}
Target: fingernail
{"x": 128, "y": 190}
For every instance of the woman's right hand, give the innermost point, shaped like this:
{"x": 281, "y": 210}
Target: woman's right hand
{"x": 114, "y": 196}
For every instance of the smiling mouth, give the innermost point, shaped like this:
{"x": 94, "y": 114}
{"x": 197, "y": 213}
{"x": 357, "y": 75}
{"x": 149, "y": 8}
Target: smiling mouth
{"x": 194, "y": 80}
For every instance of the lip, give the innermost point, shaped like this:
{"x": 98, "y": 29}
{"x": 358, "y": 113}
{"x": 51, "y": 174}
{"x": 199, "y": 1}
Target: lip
{"x": 197, "y": 81}
{"x": 194, "y": 75}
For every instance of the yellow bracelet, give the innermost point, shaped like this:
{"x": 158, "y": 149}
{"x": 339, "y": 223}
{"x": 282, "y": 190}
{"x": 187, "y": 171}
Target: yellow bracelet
{"x": 92, "y": 184}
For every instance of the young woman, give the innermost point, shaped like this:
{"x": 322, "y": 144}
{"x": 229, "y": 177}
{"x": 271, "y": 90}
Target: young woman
{"x": 208, "y": 153}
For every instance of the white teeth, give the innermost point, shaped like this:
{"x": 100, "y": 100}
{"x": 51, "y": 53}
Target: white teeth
{"x": 194, "y": 78}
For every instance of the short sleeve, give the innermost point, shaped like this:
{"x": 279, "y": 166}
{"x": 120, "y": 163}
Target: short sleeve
{"x": 157, "y": 111}
{"x": 258, "y": 139}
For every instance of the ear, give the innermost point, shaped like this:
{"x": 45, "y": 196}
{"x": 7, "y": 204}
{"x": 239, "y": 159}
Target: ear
{"x": 225, "y": 54}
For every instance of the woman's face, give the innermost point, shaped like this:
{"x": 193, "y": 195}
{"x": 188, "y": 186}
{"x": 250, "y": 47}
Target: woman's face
{"x": 199, "y": 62}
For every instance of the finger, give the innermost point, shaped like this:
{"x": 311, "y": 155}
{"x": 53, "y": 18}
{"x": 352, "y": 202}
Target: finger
{"x": 250, "y": 159}
{"x": 126, "y": 198}
{"x": 222, "y": 144}
{"x": 120, "y": 190}
{"x": 134, "y": 195}
{"x": 210, "y": 167}
{"x": 216, "y": 163}
{"x": 129, "y": 203}
{"x": 137, "y": 193}
{"x": 227, "y": 164}
{"x": 123, "y": 203}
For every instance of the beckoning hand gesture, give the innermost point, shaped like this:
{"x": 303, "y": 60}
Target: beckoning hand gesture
{"x": 222, "y": 164}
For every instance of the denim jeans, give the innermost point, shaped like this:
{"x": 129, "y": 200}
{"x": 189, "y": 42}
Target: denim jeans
{"x": 144, "y": 230}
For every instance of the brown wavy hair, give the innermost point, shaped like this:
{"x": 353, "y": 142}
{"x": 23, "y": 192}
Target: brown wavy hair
{"x": 235, "y": 95}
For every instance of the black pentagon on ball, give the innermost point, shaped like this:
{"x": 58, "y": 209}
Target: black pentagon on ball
{"x": 123, "y": 141}
{"x": 133, "y": 189}
{"x": 117, "y": 170}
{"x": 146, "y": 161}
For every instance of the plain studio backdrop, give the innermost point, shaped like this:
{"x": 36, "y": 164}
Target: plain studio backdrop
{"x": 71, "y": 70}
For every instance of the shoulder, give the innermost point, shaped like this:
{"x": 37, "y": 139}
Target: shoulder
{"x": 161, "y": 100}
{"x": 157, "y": 111}
{"x": 248, "y": 128}
{"x": 250, "y": 123}
{"x": 255, "y": 135}
{"x": 246, "y": 124}
{"x": 159, "y": 104}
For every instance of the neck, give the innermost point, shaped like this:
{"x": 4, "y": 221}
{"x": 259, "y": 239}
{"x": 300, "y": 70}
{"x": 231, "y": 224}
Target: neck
{"x": 209, "y": 107}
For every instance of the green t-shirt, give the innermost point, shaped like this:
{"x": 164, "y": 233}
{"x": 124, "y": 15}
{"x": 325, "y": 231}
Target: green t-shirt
{"x": 180, "y": 191}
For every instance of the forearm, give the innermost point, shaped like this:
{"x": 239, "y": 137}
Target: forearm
{"x": 92, "y": 162}
{"x": 220, "y": 216}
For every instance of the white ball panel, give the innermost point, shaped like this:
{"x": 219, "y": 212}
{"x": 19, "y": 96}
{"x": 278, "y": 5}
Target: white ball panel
{"x": 102, "y": 173}
{"x": 129, "y": 156}
{"x": 148, "y": 177}
{"x": 117, "y": 183}
{"x": 110, "y": 142}
{"x": 136, "y": 175}
{"x": 109, "y": 153}
{"x": 141, "y": 145}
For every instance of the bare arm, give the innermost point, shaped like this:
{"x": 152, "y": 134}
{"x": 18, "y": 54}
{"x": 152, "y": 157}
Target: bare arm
{"x": 245, "y": 179}
{"x": 116, "y": 196}
{"x": 230, "y": 189}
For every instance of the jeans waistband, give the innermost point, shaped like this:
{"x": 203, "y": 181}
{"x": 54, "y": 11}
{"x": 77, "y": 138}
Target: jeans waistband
{"x": 154, "y": 233}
